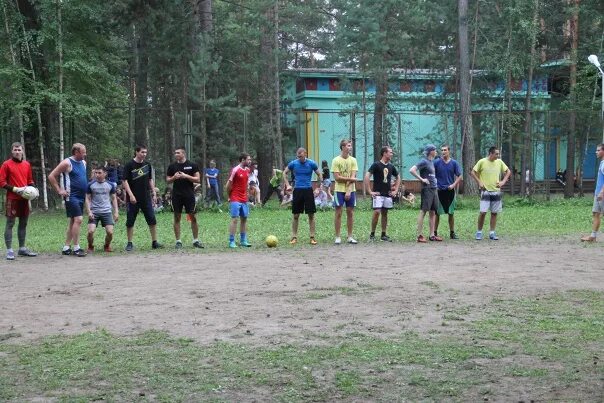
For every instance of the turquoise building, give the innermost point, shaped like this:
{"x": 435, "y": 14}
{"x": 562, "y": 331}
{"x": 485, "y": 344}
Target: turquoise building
{"x": 324, "y": 106}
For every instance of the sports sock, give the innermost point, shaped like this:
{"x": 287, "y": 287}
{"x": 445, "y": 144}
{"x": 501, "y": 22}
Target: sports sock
{"x": 10, "y": 250}
{"x": 231, "y": 238}
{"x": 178, "y": 240}
{"x": 383, "y": 233}
{"x": 66, "y": 247}
{"x": 195, "y": 240}
{"x": 243, "y": 236}
{"x": 372, "y": 234}
{"x": 594, "y": 234}
{"x": 76, "y": 247}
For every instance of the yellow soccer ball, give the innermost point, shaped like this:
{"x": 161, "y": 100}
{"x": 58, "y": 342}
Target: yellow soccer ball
{"x": 271, "y": 241}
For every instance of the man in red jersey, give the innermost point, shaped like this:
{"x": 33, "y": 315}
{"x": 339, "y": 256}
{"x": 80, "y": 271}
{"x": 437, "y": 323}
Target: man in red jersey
{"x": 236, "y": 188}
{"x": 15, "y": 175}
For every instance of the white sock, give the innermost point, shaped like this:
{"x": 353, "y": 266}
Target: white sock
{"x": 178, "y": 240}
{"x": 76, "y": 247}
{"x": 195, "y": 240}
{"x": 594, "y": 234}
{"x": 66, "y": 247}
{"x": 10, "y": 250}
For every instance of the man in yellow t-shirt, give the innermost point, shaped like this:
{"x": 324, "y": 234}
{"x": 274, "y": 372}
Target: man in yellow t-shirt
{"x": 487, "y": 172}
{"x": 345, "y": 168}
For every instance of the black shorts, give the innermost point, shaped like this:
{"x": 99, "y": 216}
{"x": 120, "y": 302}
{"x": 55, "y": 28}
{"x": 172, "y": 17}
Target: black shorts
{"x": 429, "y": 199}
{"x": 178, "y": 202}
{"x": 132, "y": 211}
{"x": 303, "y": 202}
{"x": 446, "y": 198}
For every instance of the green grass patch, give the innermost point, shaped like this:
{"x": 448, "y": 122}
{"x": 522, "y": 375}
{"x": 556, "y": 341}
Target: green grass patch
{"x": 548, "y": 342}
{"x": 519, "y": 218}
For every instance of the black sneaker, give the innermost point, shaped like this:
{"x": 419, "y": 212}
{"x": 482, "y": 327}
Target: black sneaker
{"x": 178, "y": 245}
{"x": 79, "y": 253}
{"x": 386, "y": 238}
{"x": 453, "y": 235}
{"x": 198, "y": 244}
{"x": 156, "y": 245}
{"x": 26, "y": 252}
{"x": 66, "y": 252}
{"x": 129, "y": 247}
{"x": 371, "y": 238}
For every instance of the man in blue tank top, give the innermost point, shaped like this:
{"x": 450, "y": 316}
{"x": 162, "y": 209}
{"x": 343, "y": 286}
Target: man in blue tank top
{"x": 73, "y": 190}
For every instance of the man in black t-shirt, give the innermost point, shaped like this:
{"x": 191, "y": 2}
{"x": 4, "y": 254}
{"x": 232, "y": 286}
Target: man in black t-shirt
{"x": 140, "y": 192}
{"x": 383, "y": 190}
{"x": 184, "y": 174}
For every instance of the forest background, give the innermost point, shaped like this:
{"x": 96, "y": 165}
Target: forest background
{"x": 209, "y": 73}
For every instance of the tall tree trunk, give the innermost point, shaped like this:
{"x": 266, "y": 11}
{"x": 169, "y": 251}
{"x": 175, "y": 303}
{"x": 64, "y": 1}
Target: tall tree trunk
{"x": 380, "y": 111}
{"x": 15, "y": 64}
{"x": 470, "y": 187}
{"x": 527, "y": 150}
{"x": 277, "y": 94}
{"x": 38, "y": 115}
{"x": 60, "y": 52}
{"x": 569, "y": 190}
{"x": 141, "y": 125}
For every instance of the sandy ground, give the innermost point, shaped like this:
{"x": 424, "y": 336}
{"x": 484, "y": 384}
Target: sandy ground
{"x": 263, "y": 296}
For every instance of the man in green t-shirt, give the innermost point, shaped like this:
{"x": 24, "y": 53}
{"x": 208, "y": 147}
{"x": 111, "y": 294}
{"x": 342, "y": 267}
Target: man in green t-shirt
{"x": 273, "y": 185}
{"x": 487, "y": 173}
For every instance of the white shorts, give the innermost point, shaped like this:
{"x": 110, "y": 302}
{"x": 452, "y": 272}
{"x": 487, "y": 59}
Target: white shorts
{"x": 491, "y": 201}
{"x": 382, "y": 202}
{"x": 598, "y": 206}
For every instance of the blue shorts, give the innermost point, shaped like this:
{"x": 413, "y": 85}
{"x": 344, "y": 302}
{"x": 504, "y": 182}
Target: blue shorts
{"x": 74, "y": 207}
{"x": 339, "y": 200}
{"x": 239, "y": 209}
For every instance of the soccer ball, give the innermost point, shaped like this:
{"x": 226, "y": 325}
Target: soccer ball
{"x": 30, "y": 193}
{"x": 271, "y": 241}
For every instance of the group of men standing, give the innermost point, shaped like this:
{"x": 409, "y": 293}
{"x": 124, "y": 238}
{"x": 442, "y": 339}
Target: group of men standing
{"x": 97, "y": 198}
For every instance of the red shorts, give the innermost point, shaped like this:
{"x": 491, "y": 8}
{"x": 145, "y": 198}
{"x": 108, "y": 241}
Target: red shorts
{"x": 17, "y": 208}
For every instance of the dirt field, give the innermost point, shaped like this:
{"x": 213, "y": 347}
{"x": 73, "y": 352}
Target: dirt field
{"x": 284, "y": 295}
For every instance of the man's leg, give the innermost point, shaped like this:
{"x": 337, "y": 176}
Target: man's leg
{"x": 295, "y": 221}
{"x": 233, "y": 228}
{"x": 8, "y": 232}
{"x": 243, "y": 228}
{"x": 76, "y": 224}
{"x": 384, "y": 221}
{"x": 451, "y": 223}
{"x": 374, "y": 220}
{"x": 69, "y": 232}
{"x": 338, "y": 221}
{"x": 22, "y": 231}
{"x": 90, "y": 236}
{"x": 595, "y": 226}
{"x": 153, "y": 231}
{"x": 176, "y": 225}
{"x": 432, "y": 215}
{"x": 108, "y": 236}
{"x": 420, "y": 222}
{"x": 436, "y": 222}
{"x": 194, "y": 226}
{"x": 481, "y": 217}
{"x": 311, "y": 224}
{"x": 349, "y": 220}
{"x": 493, "y": 222}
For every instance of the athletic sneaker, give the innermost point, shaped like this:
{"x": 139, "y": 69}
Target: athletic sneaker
{"x": 293, "y": 241}
{"x": 435, "y": 238}
{"x": 245, "y": 243}
{"x": 453, "y": 235}
{"x": 107, "y": 249}
{"x": 493, "y": 236}
{"x": 351, "y": 240}
{"x": 198, "y": 244}
{"x": 27, "y": 253}
{"x": 371, "y": 238}
{"x": 338, "y": 241}
{"x": 421, "y": 239}
{"x": 386, "y": 238}
{"x": 79, "y": 253}
{"x": 66, "y": 252}
{"x": 313, "y": 241}
{"x": 156, "y": 245}
{"x": 178, "y": 244}
{"x": 478, "y": 235}
{"x": 588, "y": 238}
{"x": 232, "y": 244}
{"x": 10, "y": 255}
{"x": 129, "y": 247}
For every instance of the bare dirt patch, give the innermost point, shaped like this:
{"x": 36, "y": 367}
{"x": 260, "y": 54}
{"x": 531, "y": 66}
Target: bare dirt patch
{"x": 285, "y": 295}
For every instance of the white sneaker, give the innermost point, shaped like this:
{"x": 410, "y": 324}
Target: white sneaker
{"x": 352, "y": 241}
{"x": 338, "y": 241}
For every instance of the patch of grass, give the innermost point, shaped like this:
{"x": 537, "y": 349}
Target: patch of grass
{"x": 553, "y": 341}
{"x": 554, "y": 218}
